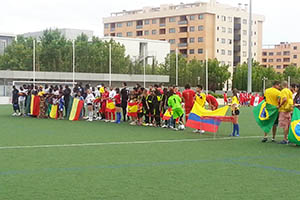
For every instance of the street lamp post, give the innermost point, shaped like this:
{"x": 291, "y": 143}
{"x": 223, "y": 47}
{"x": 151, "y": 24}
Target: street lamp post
{"x": 250, "y": 49}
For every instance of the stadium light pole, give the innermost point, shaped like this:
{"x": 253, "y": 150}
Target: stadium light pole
{"x": 250, "y": 50}
{"x": 264, "y": 86}
{"x": 206, "y": 71}
{"x": 110, "y": 65}
{"x": 144, "y": 63}
{"x": 176, "y": 67}
{"x": 73, "y": 61}
{"x": 33, "y": 62}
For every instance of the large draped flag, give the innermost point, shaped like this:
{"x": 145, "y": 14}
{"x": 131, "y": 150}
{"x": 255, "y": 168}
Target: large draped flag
{"x": 206, "y": 120}
{"x": 256, "y": 100}
{"x": 168, "y": 114}
{"x": 294, "y": 133}
{"x": 110, "y": 106}
{"x": 53, "y": 111}
{"x": 76, "y": 109}
{"x": 34, "y": 105}
{"x": 265, "y": 115}
{"x": 132, "y": 109}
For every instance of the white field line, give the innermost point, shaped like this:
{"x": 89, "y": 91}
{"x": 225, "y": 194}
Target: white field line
{"x": 122, "y": 143}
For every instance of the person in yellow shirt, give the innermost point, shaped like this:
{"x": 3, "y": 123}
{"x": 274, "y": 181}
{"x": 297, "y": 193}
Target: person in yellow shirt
{"x": 200, "y": 98}
{"x": 272, "y": 96}
{"x": 285, "y": 109}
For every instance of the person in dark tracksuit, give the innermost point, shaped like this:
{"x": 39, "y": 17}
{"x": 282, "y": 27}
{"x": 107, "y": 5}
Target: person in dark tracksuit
{"x": 149, "y": 110}
{"x": 124, "y": 100}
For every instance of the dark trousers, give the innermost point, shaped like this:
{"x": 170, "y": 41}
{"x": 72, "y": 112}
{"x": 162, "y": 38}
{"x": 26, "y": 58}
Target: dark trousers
{"x": 124, "y": 111}
{"x": 149, "y": 115}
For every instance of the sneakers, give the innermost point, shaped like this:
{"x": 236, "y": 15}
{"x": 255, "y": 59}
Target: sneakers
{"x": 164, "y": 126}
{"x": 14, "y": 114}
{"x": 112, "y": 121}
{"x": 237, "y": 135}
{"x": 196, "y": 131}
{"x": 273, "y": 140}
{"x": 107, "y": 120}
{"x": 284, "y": 142}
{"x": 264, "y": 140}
{"x": 89, "y": 120}
{"x": 133, "y": 123}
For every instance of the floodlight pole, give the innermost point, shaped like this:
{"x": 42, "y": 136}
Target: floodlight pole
{"x": 289, "y": 81}
{"x": 73, "y": 62}
{"x": 250, "y": 49}
{"x": 144, "y": 66}
{"x": 264, "y": 86}
{"x": 176, "y": 67}
{"x": 206, "y": 71}
{"x": 110, "y": 65}
{"x": 33, "y": 62}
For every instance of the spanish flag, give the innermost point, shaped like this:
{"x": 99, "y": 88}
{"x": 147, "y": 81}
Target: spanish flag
{"x": 53, "y": 112}
{"x": 35, "y": 105}
{"x": 110, "y": 106}
{"x": 265, "y": 115}
{"x": 168, "y": 114}
{"x": 132, "y": 109}
{"x": 206, "y": 120}
{"x": 76, "y": 109}
{"x": 294, "y": 133}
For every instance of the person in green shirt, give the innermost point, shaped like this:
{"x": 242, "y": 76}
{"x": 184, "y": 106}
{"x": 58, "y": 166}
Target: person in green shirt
{"x": 174, "y": 102}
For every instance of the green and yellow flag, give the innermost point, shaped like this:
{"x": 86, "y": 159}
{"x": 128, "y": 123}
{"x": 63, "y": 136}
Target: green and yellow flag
{"x": 265, "y": 115}
{"x": 294, "y": 133}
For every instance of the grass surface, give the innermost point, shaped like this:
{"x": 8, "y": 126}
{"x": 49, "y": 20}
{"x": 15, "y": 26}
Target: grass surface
{"x": 215, "y": 169}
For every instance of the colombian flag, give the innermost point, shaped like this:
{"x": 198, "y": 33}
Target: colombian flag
{"x": 132, "y": 109}
{"x": 53, "y": 112}
{"x": 168, "y": 114}
{"x": 265, "y": 115}
{"x": 294, "y": 133}
{"x": 35, "y": 105}
{"x": 206, "y": 120}
{"x": 110, "y": 106}
{"x": 76, "y": 109}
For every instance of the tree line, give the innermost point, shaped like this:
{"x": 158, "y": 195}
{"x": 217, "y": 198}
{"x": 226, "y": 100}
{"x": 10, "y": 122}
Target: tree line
{"x": 54, "y": 53}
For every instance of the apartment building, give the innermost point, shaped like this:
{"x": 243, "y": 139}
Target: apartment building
{"x": 5, "y": 40}
{"x": 196, "y": 30}
{"x": 281, "y": 56}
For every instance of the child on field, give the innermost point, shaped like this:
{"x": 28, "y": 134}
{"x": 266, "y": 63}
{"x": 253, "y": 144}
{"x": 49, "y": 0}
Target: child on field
{"x": 117, "y": 98}
{"x": 61, "y": 103}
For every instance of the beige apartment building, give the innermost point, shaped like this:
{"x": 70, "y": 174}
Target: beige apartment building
{"x": 281, "y": 55}
{"x": 195, "y": 29}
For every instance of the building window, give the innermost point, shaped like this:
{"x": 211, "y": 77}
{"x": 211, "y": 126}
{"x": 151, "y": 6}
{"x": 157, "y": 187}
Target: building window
{"x": 218, "y": 39}
{"x": 278, "y": 66}
{"x": 139, "y": 33}
{"x": 229, "y": 41}
{"x": 192, "y": 28}
{"x": 223, "y": 29}
{"x": 229, "y": 30}
{"x": 244, "y": 32}
{"x": 105, "y": 35}
{"x": 200, "y": 39}
{"x": 172, "y": 30}
{"x": 172, "y": 41}
{"x": 153, "y": 21}
{"x": 200, "y": 51}
{"x": 244, "y": 21}
{"x": 218, "y": 28}
{"x": 162, "y": 31}
{"x": 278, "y": 60}
{"x": 147, "y": 21}
{"x": 229, "y": 52}
{"x": 295, "y": 47}
{"x": 106, "y": 26}
{"x": 278, "y": 53}
{"x": 154, "y": 32}
{"x": 200, "y": 28}
{"x": 192, "y": 40}
{"x": 223, "y": 52}
{"x": 271, "y": 54}
{"x": 119, "y": 25}
{"x": 146, "y": 32}
{"x": 192, "y": 51}
{"x": 264, "y": 60}
{"x": 271, "y": 60}
{"x": 229, "y": 19}
{"x": 244, "y": 53}
{"x": 119, "y": 34}
{"x": 286, "y": 59}
{"x": 223, "y": 41}
{"x": 285, "y": 66}
{"x": 217, "y": 50}
{"x": 192, "y": 17}
{"x": 129, "y": 34}
{"x": 223, "y": 18}
{"x": 295, "y": 56}
{"x": 244, "y": 43}
{"x": 172, "y": 19}
{"x": 286, "y": 53}
{"x": 201, "y": 16}
{"x": 129, "y": 24}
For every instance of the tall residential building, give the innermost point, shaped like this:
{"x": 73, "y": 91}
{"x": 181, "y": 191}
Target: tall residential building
{"x": 5, "y": 40}
{"x": 281, "y": 55}
{"x": 194, "y": 29}
{"x": 70, "y": 34}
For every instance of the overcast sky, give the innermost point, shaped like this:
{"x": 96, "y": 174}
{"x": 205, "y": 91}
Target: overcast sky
{"x": 20, "y": 16}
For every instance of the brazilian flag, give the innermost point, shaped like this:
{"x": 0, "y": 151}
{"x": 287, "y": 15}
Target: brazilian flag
{"x": 294, "y": 133}
{"x": 265, "y": 115}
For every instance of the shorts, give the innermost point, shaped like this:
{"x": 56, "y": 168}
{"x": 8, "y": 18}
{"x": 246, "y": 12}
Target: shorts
{"x": 188, "y": 110}
{"x": 178, "y": 112}
{"x": 140, "y": 115}
{"x": 118, "y": 105}
{"x": 284, "y": 119}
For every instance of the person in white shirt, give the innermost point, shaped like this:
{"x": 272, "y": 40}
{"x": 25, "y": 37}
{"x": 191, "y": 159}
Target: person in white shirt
{"x": 22, "y": 98}
{"x": 89, "y": 101}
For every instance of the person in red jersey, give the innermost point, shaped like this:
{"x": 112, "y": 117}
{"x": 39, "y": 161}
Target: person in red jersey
{"x": 212, "y": 102}
{"x": 225, "y": 98}
{"x": 118, "y": 105}
{"x": 188, "y": 96}
{"x": 104, "y": 98}
{"x": 177, "y": 92}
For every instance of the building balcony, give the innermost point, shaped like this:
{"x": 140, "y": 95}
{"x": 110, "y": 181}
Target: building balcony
{"x": 162, "y": 25}
{"x": 237, "y": 26}
{"x": 237, "y": 38}
{"x": 112, "y": 29}
{"x": 237, "y": 48}
{"x": 182, "y": 44}
{"x": 183, "y": 22}
{"x": 139, "y": 26}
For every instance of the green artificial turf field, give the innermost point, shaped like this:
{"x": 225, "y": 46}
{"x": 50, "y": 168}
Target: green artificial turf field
{"x": 110, "y": 164}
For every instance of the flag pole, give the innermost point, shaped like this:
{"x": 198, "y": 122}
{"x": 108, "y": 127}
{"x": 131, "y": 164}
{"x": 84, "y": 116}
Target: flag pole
{"x": 33, "y": 62}
{"x": 250, "y": 50}
{"x": 176, "y": 66}
{"x": 206, "y": 71}
{"x": 110, "y": 64}
{"x": 73, "y": 62}
{"x": 144, "y": 66}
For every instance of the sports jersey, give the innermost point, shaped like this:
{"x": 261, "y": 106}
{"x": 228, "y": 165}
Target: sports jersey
{"x": 174, "y": 101}
{"x": 118, "y": 99}
{"x": 89, "y": 98}
{"x": 201, "y": 99}
{"x": 235, "y": 100}
{"x": 179, "y": 94}
{"x": 287, "y": 106}
{"x": 272, "y": 95}
{"x": 212, "y": 100}
{"x": 225, "y": 98}
{"x": 188, "y": 96}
